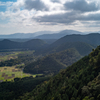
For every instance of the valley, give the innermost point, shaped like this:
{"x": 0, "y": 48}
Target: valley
{"x": 36, "y": 68}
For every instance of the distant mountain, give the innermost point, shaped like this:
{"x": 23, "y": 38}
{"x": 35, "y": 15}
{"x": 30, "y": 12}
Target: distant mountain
{"x": 24, "y": 35}
{"x": 58, "y": 35}
{"x": 93, "y": 38}
{"x": 53, "y": 63}
{"x": 7, "y": 44}
{"x": 82, "y": 43}
{"x": 33, "y": 44}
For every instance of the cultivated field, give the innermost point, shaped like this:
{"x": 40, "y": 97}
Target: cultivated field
{"x": 8, "y": 55}
{"x": 9, "y": 73}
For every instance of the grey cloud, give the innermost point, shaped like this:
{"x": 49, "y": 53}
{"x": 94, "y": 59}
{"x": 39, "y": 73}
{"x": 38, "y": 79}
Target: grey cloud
{"x": 81, "y": 5}
{"x": 66, "y": 18}
{"x": 78, "y": 8}
{"x": 55, "y": 1}
{"x": 90, "y": 17}
{"x": 15, "y": 10}
{"x": 35, "y": 4}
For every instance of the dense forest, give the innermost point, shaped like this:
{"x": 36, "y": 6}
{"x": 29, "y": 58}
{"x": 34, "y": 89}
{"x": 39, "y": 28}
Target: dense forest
{"x": 14, "y": 89}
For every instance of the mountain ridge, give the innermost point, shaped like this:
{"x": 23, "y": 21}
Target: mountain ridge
{"x": 31, "y": 44}
{"x": 45, "y": 35}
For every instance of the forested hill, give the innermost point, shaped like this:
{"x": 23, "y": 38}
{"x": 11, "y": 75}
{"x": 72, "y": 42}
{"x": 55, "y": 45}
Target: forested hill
{"x": 92, "y": 38}
{"x": 31, "y": 44}
{"x": 73, "y": 83}
{"x": 81, "y": 47}
{"x": 83, "y": 43}
{"x": 53, "y": 63}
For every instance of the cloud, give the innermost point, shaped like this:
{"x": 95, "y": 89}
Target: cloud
{"x": 81, "y": 5}
{"x": 58, "y": 1}
{"x": 50, "y": 14}
{"x": 35, "y": 4}
{"x": 77, "y": 10}
{"x": 68, "y": 18}
{"x": 62, "y": 18}
{"x": 90, "y": 17}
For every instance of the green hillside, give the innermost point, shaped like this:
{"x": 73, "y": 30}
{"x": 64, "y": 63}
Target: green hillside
{"x": 67, "y": 57}
{"x": 45, "y": 65}
{"x": 81, "y": 47}
{"x": 82, "y": 43}
{"x": 92, "y": 38}
{"x": 33, "y": 44}
{"x": 72, "y": 83}
{"x": 54, "y": 62}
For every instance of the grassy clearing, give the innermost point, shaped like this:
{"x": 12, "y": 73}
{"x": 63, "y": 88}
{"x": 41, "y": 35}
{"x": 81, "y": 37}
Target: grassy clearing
{"x": 9, "y": 73}
{"x": 8, "y": 55}
{"x": 12, "y": 55}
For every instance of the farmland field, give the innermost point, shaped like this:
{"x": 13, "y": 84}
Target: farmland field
{"x": 12, "y": 55}
{"x": 9, "y": 73}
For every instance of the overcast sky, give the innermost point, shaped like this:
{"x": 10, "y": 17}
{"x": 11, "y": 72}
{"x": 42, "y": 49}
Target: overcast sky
{"x": 28, "y": 16}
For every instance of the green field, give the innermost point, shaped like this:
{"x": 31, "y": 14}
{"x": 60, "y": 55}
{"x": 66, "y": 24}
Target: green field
{"x": 9, "y": 73}
{"x": 8, "y": 56}
{"x": 12, "y": 55}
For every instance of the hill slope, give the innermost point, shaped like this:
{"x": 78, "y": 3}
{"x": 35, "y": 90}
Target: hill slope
{"x": 46, "y": 65}
{"x": 34, "y": 44}
{"x": 31, "y": 44}
{"x": 92, "y": 38}
{"x": 81, "y": 47}
{"x": 53, "y": 63}
{"x": 68, "y": 84}
{"x": 83, "y": 43}
{"x": 7, "y": 44}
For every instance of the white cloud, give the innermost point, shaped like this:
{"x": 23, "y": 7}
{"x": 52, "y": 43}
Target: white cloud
{"x": 37, "y": 15}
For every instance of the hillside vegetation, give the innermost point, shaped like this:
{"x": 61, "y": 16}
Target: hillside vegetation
{"x": 53, "y": 63}
{"x": 81, "y": 47}
{"x": 82, "y": 43}
{"x": 73, "y": 83}
{"x": 33, "y": 44}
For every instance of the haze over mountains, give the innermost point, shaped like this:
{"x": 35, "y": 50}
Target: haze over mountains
{"x": 24, "y": 35}
{"x": 83, "y": 43}
{"x": 58, "y": 35}
{"x": 40, "y": 35}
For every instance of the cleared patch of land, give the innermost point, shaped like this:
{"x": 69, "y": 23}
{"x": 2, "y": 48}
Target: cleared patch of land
{"x": 8, "y": 55}
{"x": 9, "y": 73}
{"x": 12, "y": 55}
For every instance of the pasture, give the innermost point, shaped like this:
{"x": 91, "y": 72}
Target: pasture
{"x": 8, "y": 55}
{"x": 9, "y": 73}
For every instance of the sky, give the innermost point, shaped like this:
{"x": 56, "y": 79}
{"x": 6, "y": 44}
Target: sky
{"x": 29, "y": 16}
